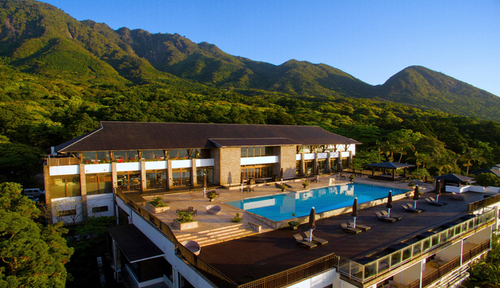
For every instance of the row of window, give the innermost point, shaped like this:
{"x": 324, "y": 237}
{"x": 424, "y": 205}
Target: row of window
{"x": 256, "y": 151}
{"x": 124, "y": 156}
{"x": 69, "y": 185}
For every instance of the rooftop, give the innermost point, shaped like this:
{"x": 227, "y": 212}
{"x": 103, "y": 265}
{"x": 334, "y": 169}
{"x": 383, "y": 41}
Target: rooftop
{"x": 273, "y": 251}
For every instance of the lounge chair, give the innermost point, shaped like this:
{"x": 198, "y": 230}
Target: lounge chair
{"x": 409, "y": 208}
{"x": 384, "y": 213}
{"x": 300, "y": 240}
{"x": 213, "y": 209}
{"x": 384, "y": 218}
{"x": 359, "y": 226}
{"x": 349, "y": 229}
{"x": 320, "y": 241}
{"x": 432, "y": 201}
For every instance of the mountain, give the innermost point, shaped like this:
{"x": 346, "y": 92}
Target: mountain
{"x": 420, "y": 87}
{"x": 39, "y": 38}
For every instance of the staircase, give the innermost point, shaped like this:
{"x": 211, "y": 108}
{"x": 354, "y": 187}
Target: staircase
{"x": 217, "y": 235}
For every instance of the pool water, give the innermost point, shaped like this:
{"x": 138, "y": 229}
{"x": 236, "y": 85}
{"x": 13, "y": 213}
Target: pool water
{"x": 289, "y": 205}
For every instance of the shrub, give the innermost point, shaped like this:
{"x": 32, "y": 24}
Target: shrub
{"x": 156, "y": 202}
{"x": 237, "y": 218}
{"x": 184, "y": 217}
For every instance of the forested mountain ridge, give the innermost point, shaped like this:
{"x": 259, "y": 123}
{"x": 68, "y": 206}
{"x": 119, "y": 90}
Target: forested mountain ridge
{"x": 39, "y": 38}
{"x": 59, "y": 77}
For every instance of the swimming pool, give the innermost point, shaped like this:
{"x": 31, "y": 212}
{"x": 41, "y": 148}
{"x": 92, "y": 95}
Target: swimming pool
{"x": 288, "y": 205}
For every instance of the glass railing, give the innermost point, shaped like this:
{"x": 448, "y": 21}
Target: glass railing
{"x": 370, "y": 267}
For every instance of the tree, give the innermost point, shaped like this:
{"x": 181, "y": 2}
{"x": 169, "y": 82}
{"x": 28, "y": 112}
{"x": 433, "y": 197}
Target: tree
{"x": 487, "y": 179}
{"x": 31, "y": 255}
{"x": 488, "y": 272}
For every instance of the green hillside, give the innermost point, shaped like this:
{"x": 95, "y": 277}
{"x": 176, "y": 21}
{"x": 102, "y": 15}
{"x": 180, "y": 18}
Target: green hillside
{"x": 59, "y": 77}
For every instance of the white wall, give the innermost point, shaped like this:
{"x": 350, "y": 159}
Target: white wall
{"x": 166, "y": 246}
{"x": 259, "y": 160}
{"x": 322, "y": 280}
{"x": 67, "y": 203}
{"x": 99, "y": 201}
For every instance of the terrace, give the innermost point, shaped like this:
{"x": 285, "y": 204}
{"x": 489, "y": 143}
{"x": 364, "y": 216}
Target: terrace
{"x": 272, "y": 256}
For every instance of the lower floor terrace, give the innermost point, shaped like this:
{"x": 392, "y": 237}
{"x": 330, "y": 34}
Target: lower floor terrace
{"x": 417, "y": 251}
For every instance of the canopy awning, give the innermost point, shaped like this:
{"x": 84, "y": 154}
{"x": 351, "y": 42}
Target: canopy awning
{"x": 134, "y": 244}
{"x": 453, "y": 178}
{"x": 390, "y": 165}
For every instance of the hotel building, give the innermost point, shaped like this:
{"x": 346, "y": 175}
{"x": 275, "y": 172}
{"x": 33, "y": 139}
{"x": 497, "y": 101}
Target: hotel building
{"x": 104, "y": 172}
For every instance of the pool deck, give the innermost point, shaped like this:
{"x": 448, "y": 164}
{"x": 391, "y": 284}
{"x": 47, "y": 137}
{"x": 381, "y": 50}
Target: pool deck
{"x": 273, "y": 251}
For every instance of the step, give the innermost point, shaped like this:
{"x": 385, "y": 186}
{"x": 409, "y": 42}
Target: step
{"x": 213, "y": 236}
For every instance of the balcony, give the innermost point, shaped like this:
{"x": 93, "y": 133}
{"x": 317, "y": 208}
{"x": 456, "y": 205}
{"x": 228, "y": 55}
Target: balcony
{"x": 375, "y": 265}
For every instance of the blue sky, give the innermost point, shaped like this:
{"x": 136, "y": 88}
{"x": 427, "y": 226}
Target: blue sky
{"x": 371, "y": 40}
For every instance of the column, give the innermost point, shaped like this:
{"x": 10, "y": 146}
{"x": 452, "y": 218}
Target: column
{"x": 194, "y": 180}
{"x": 143, "y": 176}
{"x": 83, "y": 191}
{"x": 170, "y": 180}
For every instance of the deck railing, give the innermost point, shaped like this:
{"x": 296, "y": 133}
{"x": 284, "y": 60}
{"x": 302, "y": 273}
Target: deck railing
{"x": 63, "y": 161}
{"x": 220, "y": 280}
{"x": 355, "y": 270}
{"x": 367, "y": 271}
{"x": 474, "y": 206}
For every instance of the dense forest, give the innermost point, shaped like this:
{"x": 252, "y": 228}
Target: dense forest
{"x": 59, "y": 77}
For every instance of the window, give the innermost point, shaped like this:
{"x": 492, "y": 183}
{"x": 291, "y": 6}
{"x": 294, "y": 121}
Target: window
{"x": 156, "y": 179}
{"x": 258, "y": 151}
{"x": 178, "y": 154}
{"x": 129, "y": 181}
{"x": 257, "y": 171}
{"x": 65, "y": 186}
{"x": 99, "y": 209}
{"x": 96, "y": 157}
{"x": 126, "y": 156}
{"x": 209, "y": 171}
{"x": 181, "y": 177}
{"x": 153, "y": 154}
{"x": 98, "y": 183}
{"x": 66, "y": 212}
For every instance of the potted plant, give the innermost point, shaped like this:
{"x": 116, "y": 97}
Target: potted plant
{"x": 211, "y": 195}
{"x": 293, "y": 224}
{"x": 351, "y": 178}
{"x": 283, "y": 187}
{"x": 305, "y": 184}
{"x": 237, "y": 218}
{"x": 185, "y": 220}
{"x": 156, "y": 205}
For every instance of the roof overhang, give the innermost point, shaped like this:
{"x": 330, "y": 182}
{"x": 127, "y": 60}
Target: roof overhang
{"x": 134, "y": 244}
{"x": 239, "y": 142}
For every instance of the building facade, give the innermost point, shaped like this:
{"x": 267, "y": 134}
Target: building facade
{"x": 81, "y": 174}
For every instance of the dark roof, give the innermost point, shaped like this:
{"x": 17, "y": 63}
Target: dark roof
{"x": 390, "y": 165}
{"x": 134, "y": 244}
{"x": 453, "y": 178}
{"x": 486, "y": 170}
{"x": 115, "y": 136}
{"x": 272, "y": 252}
{"x": 218, "y": 142}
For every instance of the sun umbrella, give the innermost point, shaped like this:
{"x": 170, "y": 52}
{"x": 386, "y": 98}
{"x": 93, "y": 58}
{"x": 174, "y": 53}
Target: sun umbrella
{"x": 204, "y": 184}
{"x": 242, "y": 181}
{"x": 281, "y": 176}
{"x": 389, "y": 203}
{"x": 416, "y": 196}
{"x": 312, "y": 223}
{"x": 355, "y": 211}
{"x": 438, "y": 190}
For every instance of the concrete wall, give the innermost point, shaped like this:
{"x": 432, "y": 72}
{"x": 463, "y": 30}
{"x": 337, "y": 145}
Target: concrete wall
{"x": 287, "y": 161}
{"x": 229, "y": 166}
